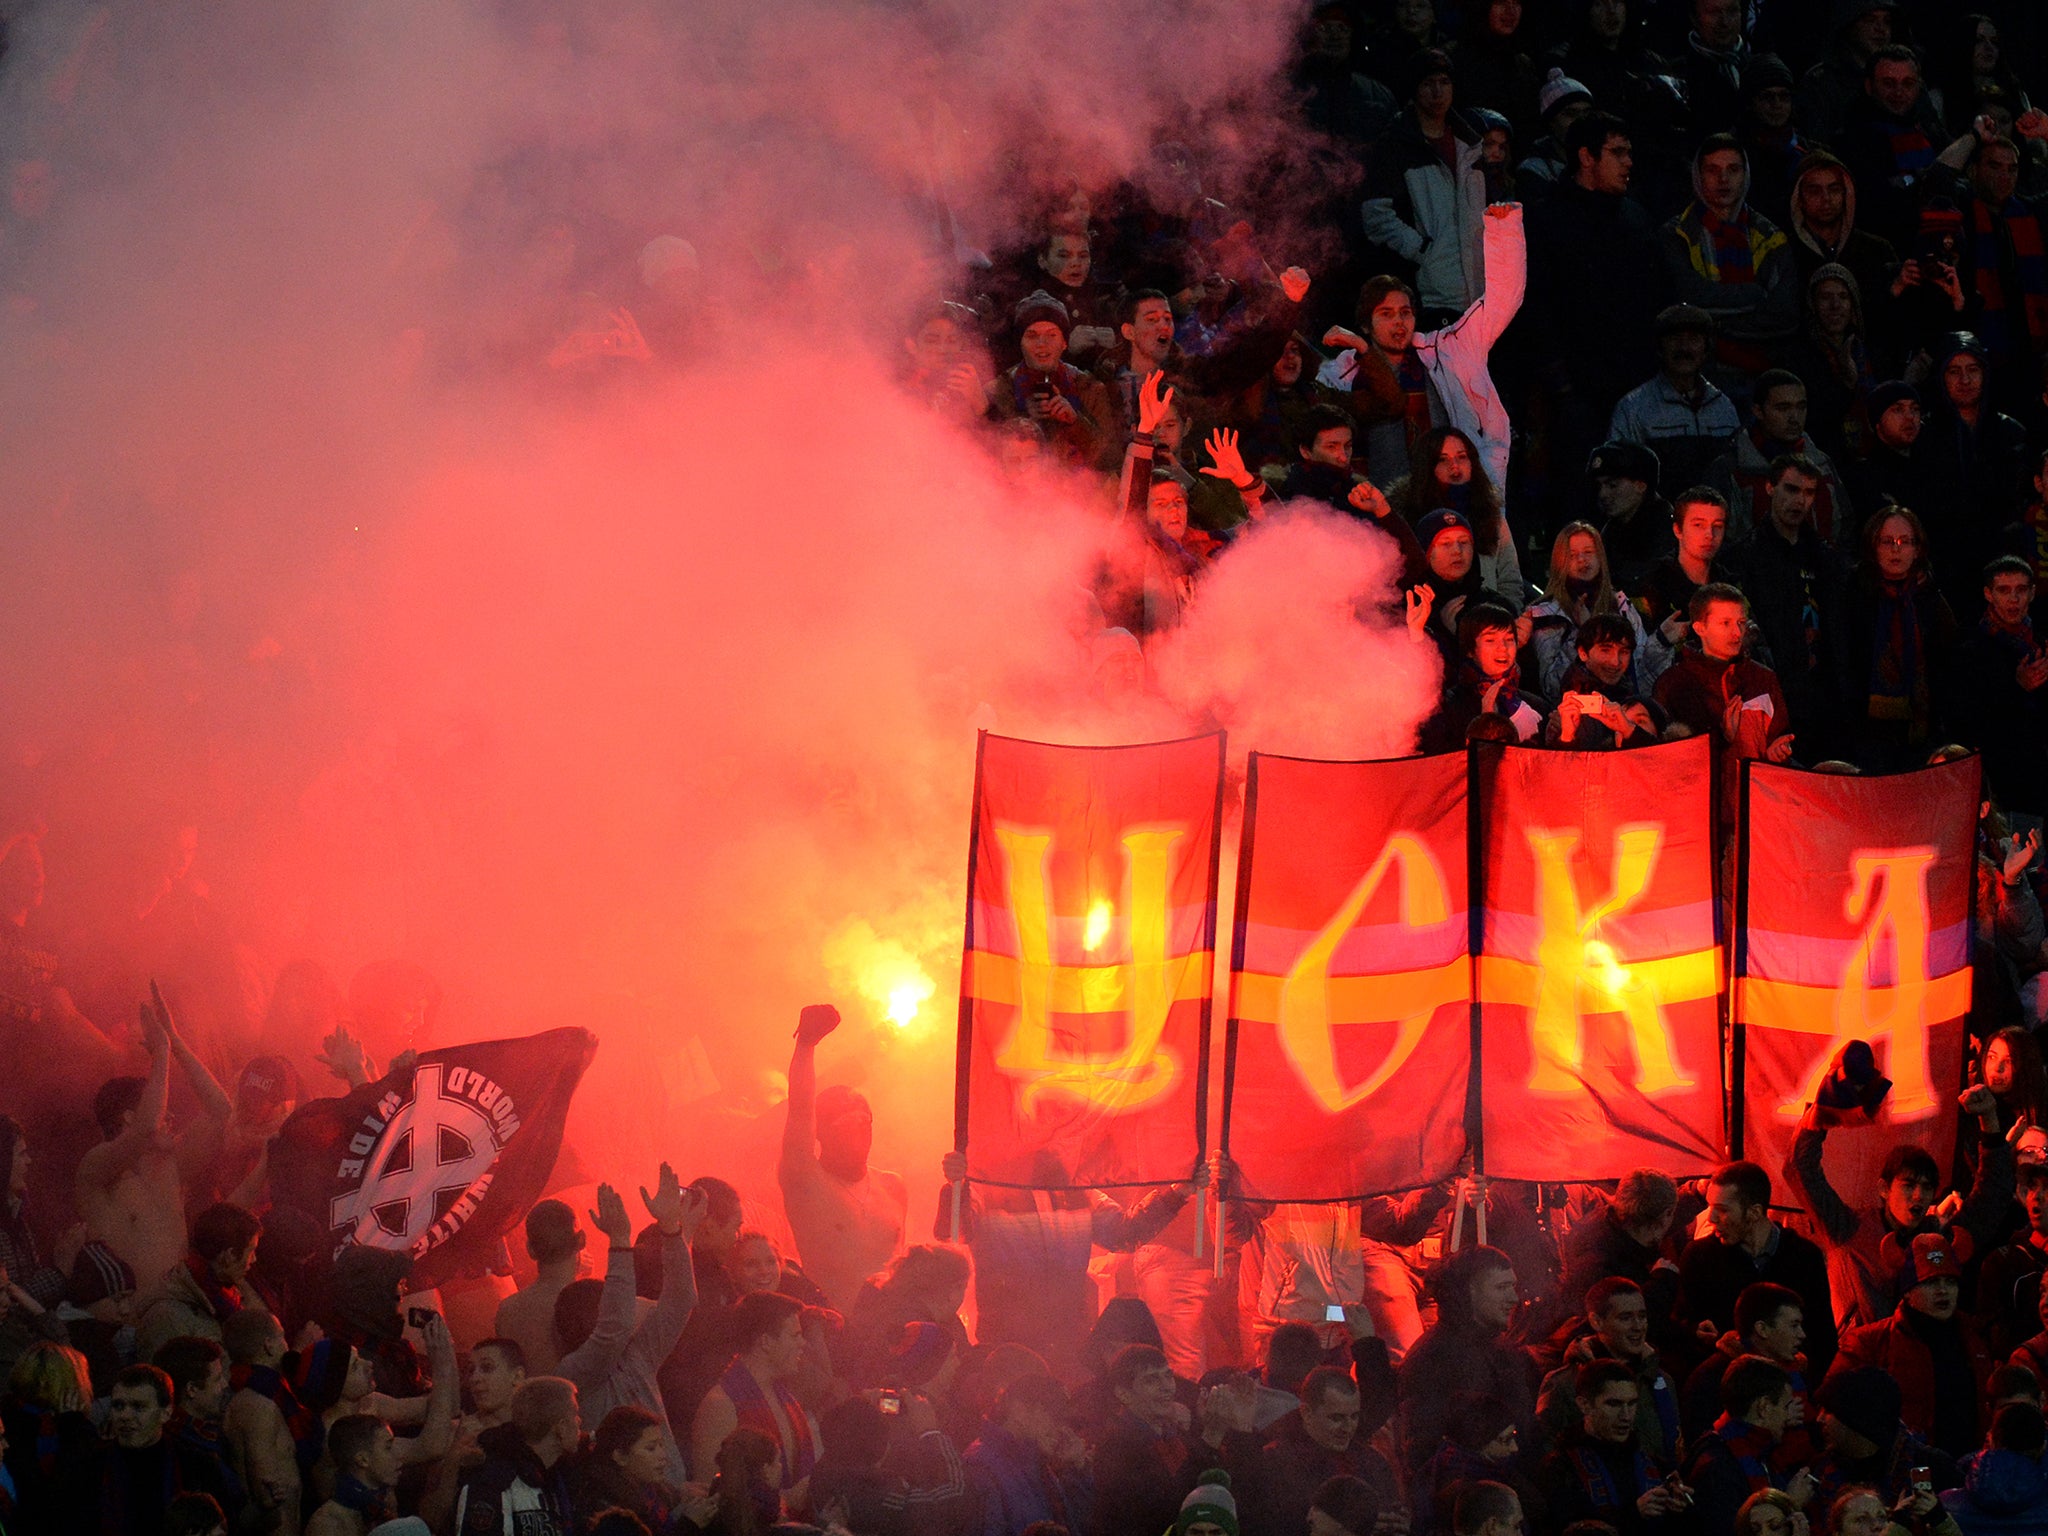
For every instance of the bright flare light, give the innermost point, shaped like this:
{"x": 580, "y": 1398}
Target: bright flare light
{"x": 904, "y": 1001}
{"x": 1098, "y": 926}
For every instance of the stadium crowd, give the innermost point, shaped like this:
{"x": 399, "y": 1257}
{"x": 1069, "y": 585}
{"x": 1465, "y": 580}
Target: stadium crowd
{"x": 1691, "y": 353}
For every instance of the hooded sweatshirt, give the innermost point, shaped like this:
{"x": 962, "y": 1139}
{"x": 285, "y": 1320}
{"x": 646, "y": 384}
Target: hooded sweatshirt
{"x": 2002, "y": 1491}
{"x": 1868, "y": 257}
{"x": 1739, "y": 270}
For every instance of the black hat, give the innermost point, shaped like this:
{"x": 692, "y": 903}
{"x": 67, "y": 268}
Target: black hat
{"x": 1622, "y": 460}
{"x": 1673, "y": 318}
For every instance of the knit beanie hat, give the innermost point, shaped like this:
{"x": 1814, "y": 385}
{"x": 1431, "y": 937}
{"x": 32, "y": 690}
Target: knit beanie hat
{"x": 1559, "y": 89}
{"x": 1890, "y": 393}
{"x": 1350, "y": 1502}
{"x": 1436, "y": 522}
{"x": 1040, "y": 305}
{"x": 1212, "y": 1501}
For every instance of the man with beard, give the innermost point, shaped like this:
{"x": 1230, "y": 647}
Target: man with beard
{"x": 1680, "y": 414}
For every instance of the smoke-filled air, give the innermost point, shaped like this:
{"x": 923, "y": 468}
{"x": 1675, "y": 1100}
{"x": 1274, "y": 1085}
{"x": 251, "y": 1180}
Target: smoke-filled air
{"x": 474, "y": 565}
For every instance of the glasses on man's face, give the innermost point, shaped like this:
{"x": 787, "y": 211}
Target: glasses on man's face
{"x": 1899, "y": 541}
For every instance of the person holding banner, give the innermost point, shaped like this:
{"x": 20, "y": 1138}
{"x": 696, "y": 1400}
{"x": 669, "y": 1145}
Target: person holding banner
{"x": 1031, "y": 1249}
{"x": 1865, "y": 1282}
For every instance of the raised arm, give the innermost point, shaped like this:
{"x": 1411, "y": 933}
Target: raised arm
{"x": 1990, "y": 1197}
{"x": 1806, "y": 1170}
{"x": 437, "y": 1431}
{"x": 677, "y": 1212}
{"x": 105, "y": 1163}
{"x": 799, "y": 1126}
{"x": 1505, "y": 249}
{"x": 591, "y": 1363}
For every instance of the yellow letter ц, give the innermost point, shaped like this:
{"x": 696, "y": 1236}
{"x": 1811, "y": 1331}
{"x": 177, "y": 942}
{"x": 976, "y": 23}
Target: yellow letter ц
{"x": 1140, "y": 1071}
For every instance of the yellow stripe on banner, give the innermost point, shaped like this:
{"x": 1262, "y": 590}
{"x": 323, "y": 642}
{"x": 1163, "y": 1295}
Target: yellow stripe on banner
{"x": 992, "y": 978}
{"x": 1362, "y": 999}
{"x": 1676, "y": 978}
{"x": 1810, "y": 1010}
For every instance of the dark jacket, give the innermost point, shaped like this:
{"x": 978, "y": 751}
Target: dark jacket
{"x": 1012, "y": 1486}
{"x": 2003, "y": 720}
{"x": 1292, "y": 1467}
{"x": 1796, "y": 592}
{"x": 1454, "y": 1356}
{"x": 1596, "y": 282}
{"x": 1711, "y": 1274}
{"x": 1587, "y": 1479}
{"x": 511, "y": 1493}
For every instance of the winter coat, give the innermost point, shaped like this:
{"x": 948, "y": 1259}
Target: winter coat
{"x": 2003, "y": 1492}
{"x": 1427, "y": 215}
{"x": 1455, "y": 356}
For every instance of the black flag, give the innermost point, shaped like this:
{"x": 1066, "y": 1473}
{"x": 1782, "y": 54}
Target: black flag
{"x": 440, "y": 1162}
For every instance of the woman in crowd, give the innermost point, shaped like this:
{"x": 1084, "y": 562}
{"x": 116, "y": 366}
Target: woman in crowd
{"x": 1446, "y": 471}
{"x": 1901, "y": 638}
{"x": 1580, "y": 587}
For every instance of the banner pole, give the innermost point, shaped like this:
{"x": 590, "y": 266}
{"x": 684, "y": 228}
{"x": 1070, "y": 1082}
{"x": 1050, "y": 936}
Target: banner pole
{"x": 1240, "y": 908}
{"x": 1475, "y": 934}
{"x": 1738, "y": 1035}
{"x": 963, "y": 1049}
{"x": 1204, "y": 1064}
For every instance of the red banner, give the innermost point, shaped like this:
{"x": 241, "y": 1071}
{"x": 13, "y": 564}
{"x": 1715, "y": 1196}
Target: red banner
{"x": 1599, "y": 976}
{"x": 1350, "y": 1034}
{"x": 1091, "y": 935}
{"x": 1855, "y": 925}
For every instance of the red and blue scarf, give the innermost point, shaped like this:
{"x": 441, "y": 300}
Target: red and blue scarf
{"x": 2013, "y": 321}
{"x": 751, "y": 1403}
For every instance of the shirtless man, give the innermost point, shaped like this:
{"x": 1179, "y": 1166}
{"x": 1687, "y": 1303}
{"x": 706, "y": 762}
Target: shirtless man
{"x": 131, "y": 1187}
{"x": 260, "y": 1445}
{"x": 848, "y": 1218}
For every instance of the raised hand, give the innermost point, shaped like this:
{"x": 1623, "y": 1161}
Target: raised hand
{"x": 815, "y": 1023}
{"x": 1155, "y": 397}
{"x": 2020, "y": 855}
{"x": 953, "y": 1166}
{"x": 1780, "y": 749}
{"x": 1370, "y": 499}
{"x": 1338, "y": 336}
{"x": 611, "y": 1219}
{"x": 343, "y": 1054}
{"x": 1420, "y": 599}
{"x": 1294, "y": 283}
{"x": 2031, "y": 124}
{"x": 1227, "y": 463}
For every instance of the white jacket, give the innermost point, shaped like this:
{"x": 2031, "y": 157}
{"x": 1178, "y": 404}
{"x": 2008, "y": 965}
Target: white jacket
{"x": 1455, "y": 357}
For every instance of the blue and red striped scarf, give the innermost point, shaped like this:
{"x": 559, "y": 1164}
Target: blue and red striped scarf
{"x": 1729, "y": 254}
{"x": 1749, "y": 1446}
{"x": 2012, "y": 321}
{"x": 1597, "y": 1478}
{"x": 751, "y": 1403}
{"x": 1912, "y": 151}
